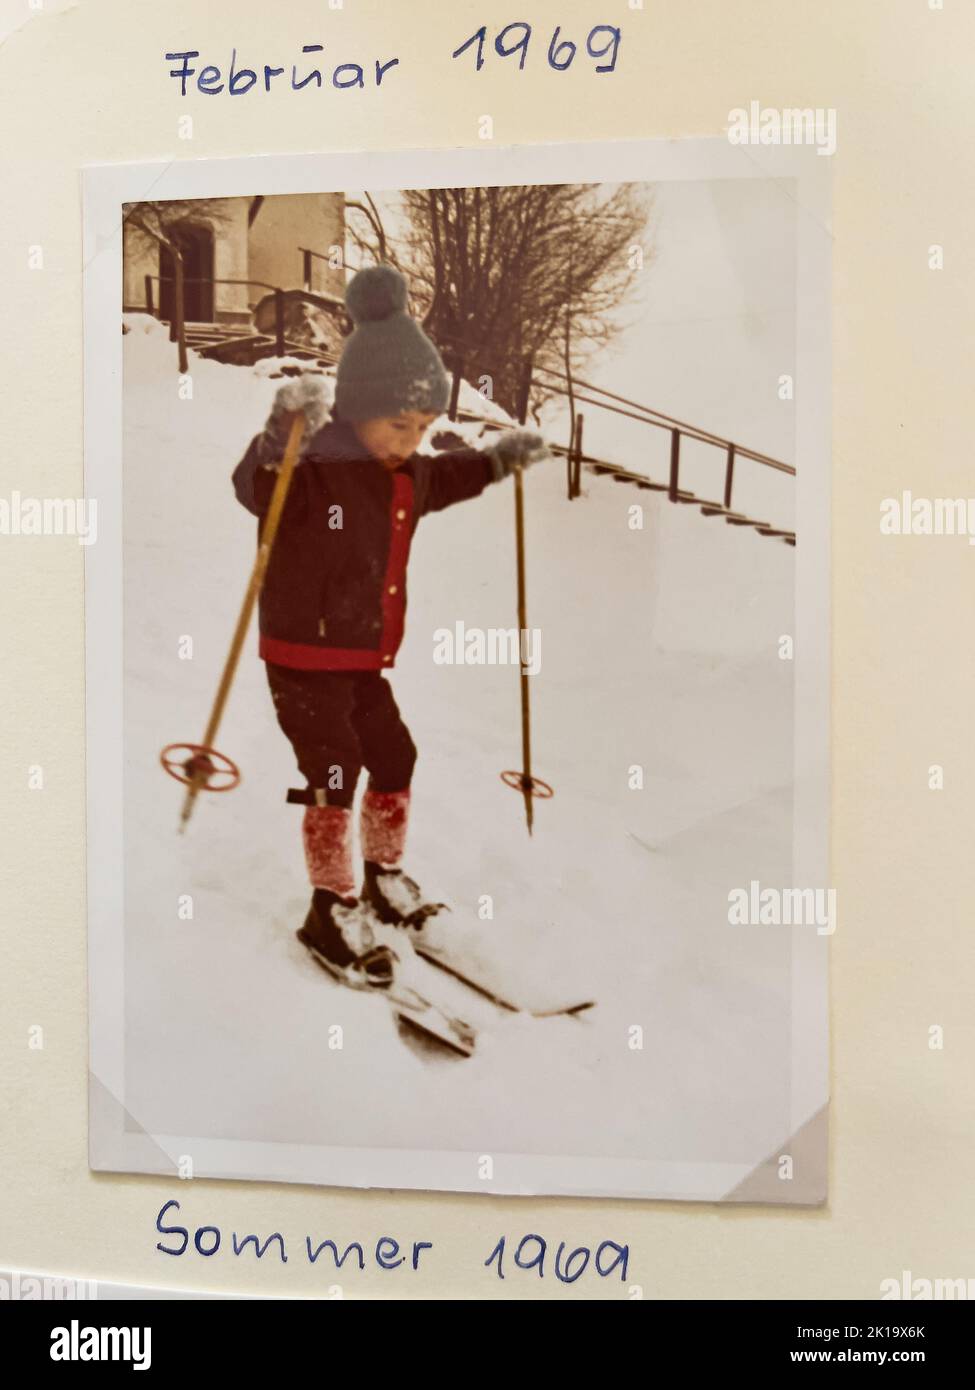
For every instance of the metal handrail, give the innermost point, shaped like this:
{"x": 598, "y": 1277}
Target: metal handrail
{"x": 277, "y": 290}
{"x": 678, "y": 429}
{"x": 664, "y": 421}
{"x": 213, "y": 280}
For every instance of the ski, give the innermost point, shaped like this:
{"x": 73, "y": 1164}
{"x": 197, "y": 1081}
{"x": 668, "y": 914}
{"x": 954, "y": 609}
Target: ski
{"x": 411, "y": 1008}
{"x": 500, "y": 1002}
{"x": 391, "y": 894}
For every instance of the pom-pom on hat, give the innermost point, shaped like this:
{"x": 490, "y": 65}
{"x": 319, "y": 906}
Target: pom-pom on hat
{"x": 388, "y": 364}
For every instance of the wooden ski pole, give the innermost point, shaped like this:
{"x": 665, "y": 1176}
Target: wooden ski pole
{"x": 526, "y": 736}
{"x": 523, "y": 781}
{"x": 268, "y": 533}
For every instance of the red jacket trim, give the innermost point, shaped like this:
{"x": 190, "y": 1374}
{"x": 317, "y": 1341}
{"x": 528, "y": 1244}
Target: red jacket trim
{"x": 302, "y": 656}
{"x": 394, "y": 580}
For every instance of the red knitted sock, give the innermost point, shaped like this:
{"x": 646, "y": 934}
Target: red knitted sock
{"x": 382, "y": 826}
{"x": 326, "y": 833}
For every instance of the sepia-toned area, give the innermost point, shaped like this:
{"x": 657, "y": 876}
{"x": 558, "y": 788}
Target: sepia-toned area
{"x": 658, "y": 546}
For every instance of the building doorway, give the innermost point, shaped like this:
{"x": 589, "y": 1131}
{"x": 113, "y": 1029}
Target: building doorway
{"x": 195, "y": 241}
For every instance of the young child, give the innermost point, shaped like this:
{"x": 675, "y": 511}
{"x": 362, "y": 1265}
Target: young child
{"x": 333, "y": 604}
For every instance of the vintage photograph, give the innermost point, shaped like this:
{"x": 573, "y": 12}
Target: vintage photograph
{"x": 457, "y": 676}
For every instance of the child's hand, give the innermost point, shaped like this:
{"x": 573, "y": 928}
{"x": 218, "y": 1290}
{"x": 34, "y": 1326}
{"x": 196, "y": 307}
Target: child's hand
{"x": 310, "y": 394}
{"x": 516, "y": 449}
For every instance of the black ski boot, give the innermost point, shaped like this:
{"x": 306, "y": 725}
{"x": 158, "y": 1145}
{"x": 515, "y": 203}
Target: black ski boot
{"x": 397, "y": 900}
{"x": 324, "y": 936}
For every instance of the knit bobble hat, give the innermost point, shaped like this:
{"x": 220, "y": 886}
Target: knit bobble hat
{"x": 388, "y": 364}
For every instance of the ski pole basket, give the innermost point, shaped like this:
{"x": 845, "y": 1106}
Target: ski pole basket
{"x": 202, "y": 768}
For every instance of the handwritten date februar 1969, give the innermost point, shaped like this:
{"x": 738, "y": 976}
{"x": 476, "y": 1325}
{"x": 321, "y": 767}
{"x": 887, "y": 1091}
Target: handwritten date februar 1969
{"x": 513, "y": 41}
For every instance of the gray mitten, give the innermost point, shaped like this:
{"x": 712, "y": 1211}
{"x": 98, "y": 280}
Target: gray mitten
{"x": 310, "y": 393}
{"x": 514, "y": 449}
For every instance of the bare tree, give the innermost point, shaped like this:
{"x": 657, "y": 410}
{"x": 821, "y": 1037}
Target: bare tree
{"x": 501, "y": 274}
{"x": 165, "y": 223}
{"x": 376, "y": 243}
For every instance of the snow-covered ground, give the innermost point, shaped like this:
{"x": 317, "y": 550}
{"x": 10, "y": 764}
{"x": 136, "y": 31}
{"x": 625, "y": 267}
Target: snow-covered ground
{"x": 620, "y": 895}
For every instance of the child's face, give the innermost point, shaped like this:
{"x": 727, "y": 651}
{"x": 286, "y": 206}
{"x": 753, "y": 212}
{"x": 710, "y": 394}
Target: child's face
{"x": 393, "y": 438}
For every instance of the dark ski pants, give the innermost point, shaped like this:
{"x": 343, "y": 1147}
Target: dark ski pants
{"x": 339, "y": 722}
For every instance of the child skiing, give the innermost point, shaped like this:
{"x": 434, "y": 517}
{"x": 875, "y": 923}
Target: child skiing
{"x": 333, "y": 602}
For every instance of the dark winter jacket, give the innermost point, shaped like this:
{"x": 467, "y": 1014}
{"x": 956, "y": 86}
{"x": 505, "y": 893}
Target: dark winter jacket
{"x": 334, "y": 595}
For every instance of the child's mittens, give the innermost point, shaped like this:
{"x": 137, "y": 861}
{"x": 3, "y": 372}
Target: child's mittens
{"x": 311, "y": 394}
{"x": 516, "y": 449}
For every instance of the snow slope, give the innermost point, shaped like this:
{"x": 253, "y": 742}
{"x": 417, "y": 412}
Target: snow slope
{"x": 659, "y": 648}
